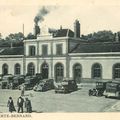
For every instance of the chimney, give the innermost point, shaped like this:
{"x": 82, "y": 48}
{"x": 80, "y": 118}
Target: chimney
{"x": 117, "y": 37}
{"x": 76, "y": 29}
{"x": 60, "y": 27}
{"x": 36, "y": 30}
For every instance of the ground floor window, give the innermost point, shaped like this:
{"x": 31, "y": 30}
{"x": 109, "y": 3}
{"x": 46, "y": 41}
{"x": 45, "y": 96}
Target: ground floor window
{"x": 17, "y": 69}
{"x": 5, "y": 69}
{"x": 59, "y": 72}
{"x": 116, "y": 71}
{"x": 31, "y": 69}
{"x": 44, "y": 70}
{"x": 96, "y": 71}
{"x": 77, "y": 73}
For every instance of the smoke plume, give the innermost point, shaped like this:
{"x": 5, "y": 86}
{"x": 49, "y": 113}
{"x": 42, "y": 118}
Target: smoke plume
{"x": 40, "y": 16}
{"x": 52, "y": 30}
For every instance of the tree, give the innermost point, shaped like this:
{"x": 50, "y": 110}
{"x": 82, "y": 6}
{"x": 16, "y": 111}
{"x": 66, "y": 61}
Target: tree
{"x": 30, "y": 36}
{"x": 100, "y": 36}
{"x": 0, "y": 36}
{"x": 19, "y": 36}
{"x": 16, "y": 36}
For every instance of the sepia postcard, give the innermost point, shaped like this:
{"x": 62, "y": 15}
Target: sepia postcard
{"x": 59, "y": 60}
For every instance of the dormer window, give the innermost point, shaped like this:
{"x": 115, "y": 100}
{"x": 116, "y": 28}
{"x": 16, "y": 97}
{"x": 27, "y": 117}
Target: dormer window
{"x": 32, "y": 50}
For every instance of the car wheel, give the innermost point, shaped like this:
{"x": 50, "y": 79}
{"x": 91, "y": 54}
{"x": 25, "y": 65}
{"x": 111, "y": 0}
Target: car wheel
{"x": 106, "y": 96}
{"x": 119, "y": 96}
{"x": 56, "y": 92}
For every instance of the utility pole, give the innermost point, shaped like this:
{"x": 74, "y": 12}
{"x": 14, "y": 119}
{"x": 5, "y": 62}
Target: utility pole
{"x": 23, "y": 29}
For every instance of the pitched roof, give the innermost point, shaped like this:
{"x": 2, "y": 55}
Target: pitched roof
{"x": 96, "y": 47}
{"x": 12, "y": 51}
{"x": 64, "y": 33}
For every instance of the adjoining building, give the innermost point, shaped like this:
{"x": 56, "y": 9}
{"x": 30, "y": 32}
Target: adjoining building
{"x": 62, "y": 54}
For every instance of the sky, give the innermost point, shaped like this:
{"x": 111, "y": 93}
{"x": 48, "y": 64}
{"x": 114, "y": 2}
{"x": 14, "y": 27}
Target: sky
{"x": 93, "y": 17}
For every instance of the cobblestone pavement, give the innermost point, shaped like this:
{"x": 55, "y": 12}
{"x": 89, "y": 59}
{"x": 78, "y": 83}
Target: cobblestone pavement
{"x": 77, "y": 101}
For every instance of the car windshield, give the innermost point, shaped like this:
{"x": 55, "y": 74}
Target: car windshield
{"x": 7, "y": 77}
{"x": 111, "y": 86}
{"x": 28, "y": 77}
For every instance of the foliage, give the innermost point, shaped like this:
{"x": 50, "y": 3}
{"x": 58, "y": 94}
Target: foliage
{"x": 100, "y": 36}
{"x": 16, "y": 39}
{"x": 16, "y": 36}
{"x": 30, "y": 36}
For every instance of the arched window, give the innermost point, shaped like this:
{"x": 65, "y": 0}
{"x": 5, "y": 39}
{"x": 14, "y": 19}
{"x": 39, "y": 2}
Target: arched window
{"x": 31, "y": 69}
{"x": 59, "y": 72}
{"x": 5, "y": 69}
{"x": 17, "y": 69}
{"x": 44, "y": 70}
{"x": 77, "y": 71}
{"x": 116, "y": 71}
{"x": 96, "y": 71}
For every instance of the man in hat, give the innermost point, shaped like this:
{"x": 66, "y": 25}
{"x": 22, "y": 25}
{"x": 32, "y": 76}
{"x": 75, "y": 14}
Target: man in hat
{"x": 20, "y": 102}
{"x": 28, "y": 105}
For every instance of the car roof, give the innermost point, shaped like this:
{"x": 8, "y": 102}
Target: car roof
{"x": 8, "y": 76}
{"x": 116, "y": 81}
{"x": 103, "y": 81}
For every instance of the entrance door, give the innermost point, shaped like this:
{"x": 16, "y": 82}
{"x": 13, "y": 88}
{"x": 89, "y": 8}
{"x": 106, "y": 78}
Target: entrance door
{"x": 77, "y": 73}
{"x": 59, "y": 70}
{"x": 31, "y": 69}
{"x": 5, "y": 69}
{"x": 44, "y": 70}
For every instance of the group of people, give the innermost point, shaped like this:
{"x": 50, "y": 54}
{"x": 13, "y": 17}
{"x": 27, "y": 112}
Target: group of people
{"x": 20, "y": 103}
{"x": 93, "y": 92}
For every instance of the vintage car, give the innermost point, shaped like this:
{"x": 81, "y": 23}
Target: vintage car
{"x": 1, "y": 76}
{"x": 27, "y": 86}
{"x": 6, "y": 81}
{"x": 39, "y": 76}
{"x": 44, "y": 85}
{"x": 113, "y": 89}
{"x": 100, "y": 88}
{"x": 66, "y": 86}
{"x": 17, "y": 80}
{"x": 31, "y": 81}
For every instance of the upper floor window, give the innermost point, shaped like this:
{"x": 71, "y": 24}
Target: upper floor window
{"x": 44, "y": 49}
{"x": 59, "y": 49}
{"x": 32, "y": 50}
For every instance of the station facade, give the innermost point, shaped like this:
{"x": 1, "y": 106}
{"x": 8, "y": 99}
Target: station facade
{"x": 63, "y": 55}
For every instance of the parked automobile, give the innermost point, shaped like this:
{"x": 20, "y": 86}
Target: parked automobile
{"x": 1, "y": 76}
{"x": 17, "y": 80}
{"x": 44, "y": 85}
{"x": 1, "y": 80}
{"x": 6, "y": 81}
{"x": 100, "y": 88}
{"x": 26, "y": 86}
{"x": 39, "y": 76}
{"x": 66, "y": 86}
{"x": 112, "y": 89}
{"x": 29, "y": 83}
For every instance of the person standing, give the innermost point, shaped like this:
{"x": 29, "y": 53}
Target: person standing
{"x": 10, "y": 104}
{"x": 28, "y": 105}
{"x": 20, "y": 102}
